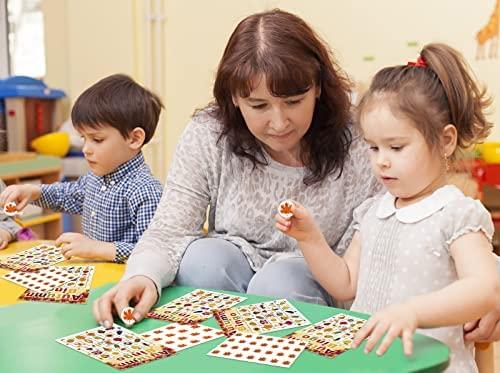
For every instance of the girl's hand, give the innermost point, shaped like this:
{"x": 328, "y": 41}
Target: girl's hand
{"x": 300, "y": 226}
{"x": 399, "y": 320}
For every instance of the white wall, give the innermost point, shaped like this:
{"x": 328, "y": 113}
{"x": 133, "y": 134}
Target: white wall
{"x": 105, "y": 36}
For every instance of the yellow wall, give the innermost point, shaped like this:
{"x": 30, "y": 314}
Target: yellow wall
{"x": 104, "y": 36}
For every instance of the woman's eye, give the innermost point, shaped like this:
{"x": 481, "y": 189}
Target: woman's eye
{"x": 373, "y": 148}
{"x": 294, "y": 102}
{"x": 396, "y": 147}
{"x": 258, "y": 107}
{"x": 98, "y": 140}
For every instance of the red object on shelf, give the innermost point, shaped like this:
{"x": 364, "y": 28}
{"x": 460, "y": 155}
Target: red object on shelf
{"x": 487, "y": 174}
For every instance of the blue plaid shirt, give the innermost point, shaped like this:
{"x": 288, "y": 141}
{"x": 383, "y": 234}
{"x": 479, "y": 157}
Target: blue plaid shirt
{"x": 115, "y": 208}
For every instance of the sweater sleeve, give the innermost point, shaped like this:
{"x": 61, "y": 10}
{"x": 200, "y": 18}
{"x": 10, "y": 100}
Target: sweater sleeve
{"x": 180, "y": 215}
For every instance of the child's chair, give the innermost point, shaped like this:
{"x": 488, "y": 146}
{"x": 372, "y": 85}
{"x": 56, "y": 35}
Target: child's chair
{"x": 486, "y": 174}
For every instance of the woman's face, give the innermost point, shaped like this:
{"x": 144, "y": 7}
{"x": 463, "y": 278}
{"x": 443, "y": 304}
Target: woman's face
{"x": 278, "y": 123}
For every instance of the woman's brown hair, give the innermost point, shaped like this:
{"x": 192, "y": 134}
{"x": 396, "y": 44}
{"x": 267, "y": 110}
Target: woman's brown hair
{"x": 439, "y": 90}
{"x": 283, "y": 48}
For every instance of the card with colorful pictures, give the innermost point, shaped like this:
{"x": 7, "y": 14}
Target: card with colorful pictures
{"x": 42, "y": 280}
{"x": 33, "y": 259}
{"x": 181, "y": 336}
{"x": 260, "y": 349}
{"x": 195, "y": 306}
{"x": 332, "y": 336}
{"x": 117, "y": 347}
{"x": 260, "y": 318}
{"x": 76, "y": 290}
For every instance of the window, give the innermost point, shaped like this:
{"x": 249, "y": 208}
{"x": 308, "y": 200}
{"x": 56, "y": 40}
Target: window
{"x": 25, "y": 38}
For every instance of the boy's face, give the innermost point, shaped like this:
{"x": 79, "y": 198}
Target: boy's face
{"x": 105, "y": 149}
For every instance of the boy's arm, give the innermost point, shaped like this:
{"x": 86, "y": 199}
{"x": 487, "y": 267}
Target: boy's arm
{"x": 65, "y": 197}
{"x": 143, "y": 204}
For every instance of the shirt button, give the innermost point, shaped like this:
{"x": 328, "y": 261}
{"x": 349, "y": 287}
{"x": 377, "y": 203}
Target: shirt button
{"x": 103, "y": 188}
{"x": 112, "y": 182}
{"x": 92, "y": 213}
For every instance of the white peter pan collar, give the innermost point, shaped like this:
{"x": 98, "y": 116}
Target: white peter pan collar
{"x": 421, "y": 209}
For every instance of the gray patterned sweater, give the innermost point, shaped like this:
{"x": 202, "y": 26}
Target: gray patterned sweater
{"x": 243, "y": 202}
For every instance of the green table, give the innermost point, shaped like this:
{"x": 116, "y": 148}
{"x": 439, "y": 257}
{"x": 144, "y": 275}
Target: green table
{"x": 28, "y": 332}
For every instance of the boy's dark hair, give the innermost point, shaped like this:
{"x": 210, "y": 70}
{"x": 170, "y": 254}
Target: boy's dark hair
{"x": 117, "y": 101}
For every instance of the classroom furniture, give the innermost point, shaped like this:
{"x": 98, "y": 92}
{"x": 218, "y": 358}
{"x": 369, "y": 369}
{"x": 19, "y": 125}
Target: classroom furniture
{"x": 29, "y": 330}
{"x": 48, "y": 170}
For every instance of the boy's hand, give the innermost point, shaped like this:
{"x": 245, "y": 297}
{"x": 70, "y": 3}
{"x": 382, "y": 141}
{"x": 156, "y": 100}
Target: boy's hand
{"x": 77, "y": 244}
{"x": 21, "y": 194}
{"x": 5, "y": 238}
{"x": 301, "y": 226}
{"x": 399, "y": 320}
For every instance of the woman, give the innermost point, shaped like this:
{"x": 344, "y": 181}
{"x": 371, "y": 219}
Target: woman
{"x": 279, "y": 128}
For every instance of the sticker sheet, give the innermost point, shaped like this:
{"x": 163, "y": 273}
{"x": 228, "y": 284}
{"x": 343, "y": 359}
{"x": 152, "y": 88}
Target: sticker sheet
{"x": 181, "y": 336}
{"x": 260, "y": 318}
{"x": 33, "y": 259}
{"x": 116, "y": 347}
{"x": 41, "y": 280}
{"x": 75, "y": 290}
{"x": 331, "y": 336}
{"x": 260, "y": 349}
{"x": 195, "y": 306}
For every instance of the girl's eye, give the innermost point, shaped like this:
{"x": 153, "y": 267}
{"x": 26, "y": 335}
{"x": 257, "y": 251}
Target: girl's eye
{"x": 396, "y": 148}
{"x": 373, "y": 148}
{"x": 258, "y": 107}
{"x": 97, "y": 140}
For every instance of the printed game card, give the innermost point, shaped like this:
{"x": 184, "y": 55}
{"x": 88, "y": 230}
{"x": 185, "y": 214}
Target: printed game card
{"x": 33, "y": 259}
{"x": 76, "y": 290}
{"x": 195, "y": 306}
{"x": 117, "y": 347}
{"x": 331, "y": 336}
{"x": 41, "y": 280}
{"x": 260, "y": 318}
{"x": 180, "y": 336}
{"x": 260, "y": 349}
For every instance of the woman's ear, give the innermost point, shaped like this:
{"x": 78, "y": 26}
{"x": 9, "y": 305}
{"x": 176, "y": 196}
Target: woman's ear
{"x": 136, "y": 138}
{"x": 449, "y": 139}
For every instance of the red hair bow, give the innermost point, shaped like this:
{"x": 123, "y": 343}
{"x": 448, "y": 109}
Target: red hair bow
{"x": 420, "y": 63}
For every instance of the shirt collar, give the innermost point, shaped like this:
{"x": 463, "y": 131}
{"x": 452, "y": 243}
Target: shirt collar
{"x": 124, "y": 170}
{"x": 421, "y": 209}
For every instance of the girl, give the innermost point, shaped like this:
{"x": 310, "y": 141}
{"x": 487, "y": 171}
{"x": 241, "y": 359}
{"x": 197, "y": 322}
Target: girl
{"x": 421, "y": 254}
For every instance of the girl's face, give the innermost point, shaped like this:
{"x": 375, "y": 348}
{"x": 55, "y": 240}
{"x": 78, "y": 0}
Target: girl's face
{"x": 278, "y": 123}
{"x": 400, "y": 156}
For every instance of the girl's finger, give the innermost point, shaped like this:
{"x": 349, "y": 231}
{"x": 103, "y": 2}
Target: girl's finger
{"x": 282, "y": 227}
{"x": 408, "y": 342}
{"x": 364, "y": 332}
{"x": 391, "y": 335}
{"x": 375, "y": 336}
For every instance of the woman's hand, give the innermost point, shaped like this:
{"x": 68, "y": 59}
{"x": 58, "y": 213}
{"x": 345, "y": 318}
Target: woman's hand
{"x": 399, "y": 320}
{"x": 138, "y": 292}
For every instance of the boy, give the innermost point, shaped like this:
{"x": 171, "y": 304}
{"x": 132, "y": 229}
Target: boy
{"x": 118, "y": 197}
